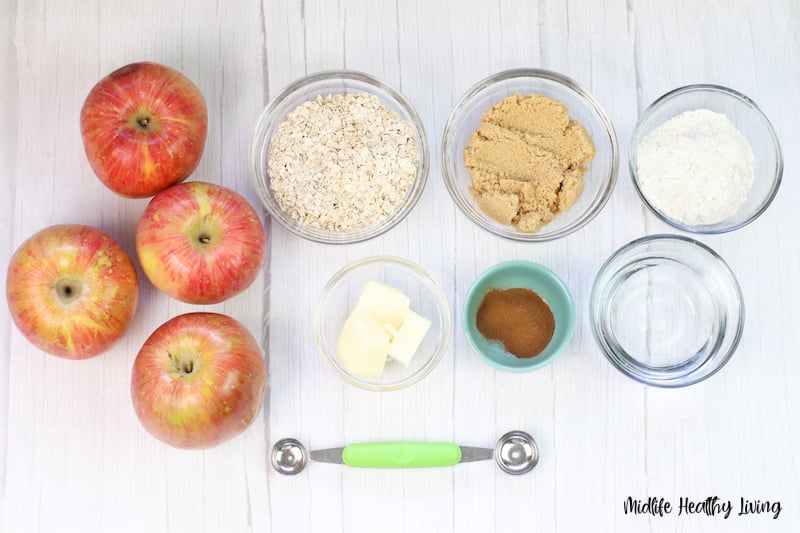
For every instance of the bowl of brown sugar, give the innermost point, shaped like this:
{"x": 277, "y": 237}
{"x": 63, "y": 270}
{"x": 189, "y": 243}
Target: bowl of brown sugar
{"x": 529, "y": 155}
{"x": 518, "y": 316}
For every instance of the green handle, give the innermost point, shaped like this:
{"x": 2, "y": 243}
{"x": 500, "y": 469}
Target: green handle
{"x": 401, "y": 454}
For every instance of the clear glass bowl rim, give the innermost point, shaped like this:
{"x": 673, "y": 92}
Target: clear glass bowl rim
{"x": 595, "y": 318}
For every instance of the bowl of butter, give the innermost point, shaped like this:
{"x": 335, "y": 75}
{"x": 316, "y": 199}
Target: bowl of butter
{"x": 382, "y": 323}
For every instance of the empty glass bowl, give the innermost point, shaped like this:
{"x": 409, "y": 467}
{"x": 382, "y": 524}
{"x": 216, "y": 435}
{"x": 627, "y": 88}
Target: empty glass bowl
{"x": 667, "y": 311}
{"x": 748, "y": 119}
{"x": 600, "y": 177}
{"x": 325, "y": 84}
{"x": 427, "y": 299}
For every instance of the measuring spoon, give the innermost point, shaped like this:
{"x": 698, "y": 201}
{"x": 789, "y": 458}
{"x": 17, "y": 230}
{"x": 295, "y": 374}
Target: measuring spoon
{"x": 515, "y": 453}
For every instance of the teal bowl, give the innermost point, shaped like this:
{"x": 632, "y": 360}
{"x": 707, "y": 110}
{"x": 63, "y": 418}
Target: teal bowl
{"x": 527, "y": 275}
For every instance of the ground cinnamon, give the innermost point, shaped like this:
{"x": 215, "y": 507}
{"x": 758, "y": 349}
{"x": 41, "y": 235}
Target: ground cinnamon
{"x": 518, "y": 318}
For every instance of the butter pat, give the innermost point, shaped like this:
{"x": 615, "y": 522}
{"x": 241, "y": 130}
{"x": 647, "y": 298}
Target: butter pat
{"x": 408, "y": 338}
{"x": 381, "y": 325}
{"x": 363, "y": 346}
{"x": 382, "y": 303}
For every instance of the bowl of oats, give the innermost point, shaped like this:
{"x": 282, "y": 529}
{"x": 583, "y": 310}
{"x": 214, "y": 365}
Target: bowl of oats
{"x": 339, "y": 157}
{"x": 529, "y": 155}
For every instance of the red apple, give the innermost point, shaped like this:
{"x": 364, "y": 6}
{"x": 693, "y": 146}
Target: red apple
{"x": 144, "y": 129}
{"x": 198, "y": 381}
{"x": 200, "y": 243}
{"x": 72, "y": 290}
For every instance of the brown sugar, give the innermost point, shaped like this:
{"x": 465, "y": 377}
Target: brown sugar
{"x": 527, "y": 159}
{"x": 519, "y": 318}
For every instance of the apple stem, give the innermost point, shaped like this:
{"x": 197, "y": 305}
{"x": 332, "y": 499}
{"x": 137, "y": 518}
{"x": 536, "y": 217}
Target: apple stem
{"x": 183, "y": 367}
{"x": 144, "y": 122}
{"x": 204, "y": 239}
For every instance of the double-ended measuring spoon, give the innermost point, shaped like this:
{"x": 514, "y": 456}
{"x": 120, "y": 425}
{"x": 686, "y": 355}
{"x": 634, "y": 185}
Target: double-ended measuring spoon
{"x": 515, "y": 453}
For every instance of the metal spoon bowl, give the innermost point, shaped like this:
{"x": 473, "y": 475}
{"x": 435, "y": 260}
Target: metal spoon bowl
{"x": 516, "y": 453}
{"x": 289, "y": 456}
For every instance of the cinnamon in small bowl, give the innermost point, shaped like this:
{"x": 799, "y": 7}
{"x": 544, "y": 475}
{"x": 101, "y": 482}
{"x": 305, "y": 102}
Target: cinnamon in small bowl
{"x": 518, "y": 316}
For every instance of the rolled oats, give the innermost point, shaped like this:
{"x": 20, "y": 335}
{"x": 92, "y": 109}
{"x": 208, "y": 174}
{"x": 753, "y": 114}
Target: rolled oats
{"x": 342, "y": 163}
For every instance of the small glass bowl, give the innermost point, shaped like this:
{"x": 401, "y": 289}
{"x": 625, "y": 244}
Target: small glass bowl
{"x": 427, "y": 299}
{"x": 667, "y": 311}
{"x": 600, "y": 177}
{"x": 526, "y": 275}
{"x": 748, "y": 119}
{"x": 309, "y": 88}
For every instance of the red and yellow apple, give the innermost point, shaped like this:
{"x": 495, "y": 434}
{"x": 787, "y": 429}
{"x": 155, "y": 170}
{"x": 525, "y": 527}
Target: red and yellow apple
{"x": 198, "y": 381}
{"x": 200, "y": 243}
{"x": 72, "y": 290}
{"x": 144, "y": 128}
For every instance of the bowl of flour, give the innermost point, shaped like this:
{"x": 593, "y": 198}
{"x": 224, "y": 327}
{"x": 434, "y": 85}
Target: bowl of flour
{"x": 705, "y": 159}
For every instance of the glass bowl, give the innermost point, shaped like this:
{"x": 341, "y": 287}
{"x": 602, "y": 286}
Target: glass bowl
{"x": 748, "y": 119}
{"x": 667, "y": 311}
{"x": 309, "y": 88}
{"x": 600, "y": 177}
{"x": 427, "y": 299}
{"x": 526, "y": 275}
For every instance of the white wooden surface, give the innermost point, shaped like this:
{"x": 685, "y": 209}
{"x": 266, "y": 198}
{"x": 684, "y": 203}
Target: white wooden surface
{"x": 72, "y": 454}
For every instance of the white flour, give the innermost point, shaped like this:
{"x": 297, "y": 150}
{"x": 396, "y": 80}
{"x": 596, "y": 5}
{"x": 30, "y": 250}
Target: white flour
{"x": 696, "y": 167}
